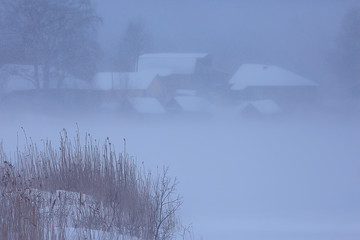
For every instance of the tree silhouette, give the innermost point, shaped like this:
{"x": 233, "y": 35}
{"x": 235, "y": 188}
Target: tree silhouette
{"x": 347, "y": 62}
{"x": 135, "y": 41}
{"x": 56, "y": 36}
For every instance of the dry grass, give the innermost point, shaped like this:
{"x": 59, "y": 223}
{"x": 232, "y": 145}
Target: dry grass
{"x": 87, "y": 187}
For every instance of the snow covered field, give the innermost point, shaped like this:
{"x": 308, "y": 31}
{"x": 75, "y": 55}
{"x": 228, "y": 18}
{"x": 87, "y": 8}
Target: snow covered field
{"x": 286, "y": 179}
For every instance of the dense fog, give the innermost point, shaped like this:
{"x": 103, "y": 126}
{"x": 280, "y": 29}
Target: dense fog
{"x": 290, "y": 179}
{"x": 298, "y": 35}
{"x": 253, "y": 105}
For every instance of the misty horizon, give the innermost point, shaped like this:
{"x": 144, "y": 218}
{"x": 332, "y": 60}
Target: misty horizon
{"x": 253, "y": 106}
{"x": 299, "y": 36}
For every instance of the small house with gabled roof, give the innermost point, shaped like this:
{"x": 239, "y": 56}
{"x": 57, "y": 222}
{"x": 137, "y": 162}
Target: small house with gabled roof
{"x": 184, "y": 70}
{"x": 131, "y": 84}
{"x": 259, "y": 82}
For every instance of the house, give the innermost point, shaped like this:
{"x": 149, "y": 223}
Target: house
{"x": 176, "y": 63}
{"x": 185, "y": 70}
{"x": 116, "y": 87}
{"x": 259, "y": 108}
{"x": 131, "y": 84}
{"x": 258, "y": 82}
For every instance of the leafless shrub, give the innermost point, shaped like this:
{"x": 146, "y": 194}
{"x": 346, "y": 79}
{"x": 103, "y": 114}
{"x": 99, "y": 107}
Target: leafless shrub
{"x": 45, "y": 192}
{"x": 187, "y": 233}
{"x": 20, "y": 216}
{"x": 165, "y": 206}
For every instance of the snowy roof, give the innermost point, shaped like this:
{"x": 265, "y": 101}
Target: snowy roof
{"x": 147, "y": 105}
{"x": 126, "y": 80}
{"x": 250, "y": 75}
{"x": 192, "y": 103}
{"x": 177, "y": 63}
{"x": 263, "y": 106}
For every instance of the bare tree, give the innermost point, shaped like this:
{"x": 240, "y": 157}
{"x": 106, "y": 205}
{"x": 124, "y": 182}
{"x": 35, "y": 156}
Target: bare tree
{"x": 166, "y": 205}
{"x": 135, "y": 41}
{"x": 52, "y": 34}
{"x": 347, "y": 58}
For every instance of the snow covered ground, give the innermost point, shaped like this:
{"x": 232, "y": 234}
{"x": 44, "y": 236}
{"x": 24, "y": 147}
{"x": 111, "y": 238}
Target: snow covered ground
{"x": 293, "y": 179}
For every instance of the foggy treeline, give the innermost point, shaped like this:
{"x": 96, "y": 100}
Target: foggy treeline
{"x": 57, "y": 36}
{"x": 253, "y": 105}
{"x": 61, "y": 41}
